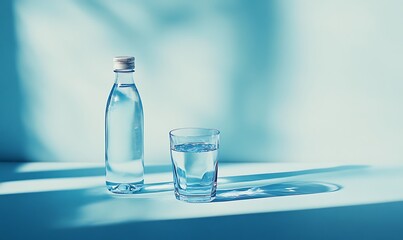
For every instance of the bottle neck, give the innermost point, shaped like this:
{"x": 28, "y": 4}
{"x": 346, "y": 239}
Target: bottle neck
{"x": 124, "y": 77}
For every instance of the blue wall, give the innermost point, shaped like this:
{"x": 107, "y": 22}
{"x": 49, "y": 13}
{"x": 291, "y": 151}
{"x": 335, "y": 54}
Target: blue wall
{"x": 282, "y": 80}
{"x": 12, "y": 134}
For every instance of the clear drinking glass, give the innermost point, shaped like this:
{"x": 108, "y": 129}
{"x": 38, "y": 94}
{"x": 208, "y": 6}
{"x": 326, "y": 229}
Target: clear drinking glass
{"x": 194, "y": 155}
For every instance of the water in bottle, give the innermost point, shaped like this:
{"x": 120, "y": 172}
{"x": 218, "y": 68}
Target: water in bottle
{"x": 124, "y": 132}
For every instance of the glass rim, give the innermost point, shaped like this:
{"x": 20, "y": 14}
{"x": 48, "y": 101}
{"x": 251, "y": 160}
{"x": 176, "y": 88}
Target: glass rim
{"x": 213, "y": 132}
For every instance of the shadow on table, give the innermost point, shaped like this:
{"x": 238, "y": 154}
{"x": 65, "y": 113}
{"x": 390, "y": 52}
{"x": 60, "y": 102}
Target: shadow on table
{"x": 275, "y": 190}
{"x": 9, "y": 171}
{"x": 264, "y": 191}
{"x": 278, "y": 189}
{"x": 267, "y": 176}
{"x": 260, "y": 190}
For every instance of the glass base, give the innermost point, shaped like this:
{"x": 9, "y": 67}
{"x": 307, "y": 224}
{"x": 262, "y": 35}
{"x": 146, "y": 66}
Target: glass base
{"x": 124, "y": 188}
{"x": 195, "y": 198}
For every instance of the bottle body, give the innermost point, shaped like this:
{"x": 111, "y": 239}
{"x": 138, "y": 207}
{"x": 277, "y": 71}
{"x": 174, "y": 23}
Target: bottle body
{"x": 124, "y": 137}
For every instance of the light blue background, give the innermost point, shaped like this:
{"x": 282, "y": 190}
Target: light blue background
{"x": 283, "y": 80}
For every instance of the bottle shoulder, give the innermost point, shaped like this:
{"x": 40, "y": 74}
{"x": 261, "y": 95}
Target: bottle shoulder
{"x": 124, "y": 93}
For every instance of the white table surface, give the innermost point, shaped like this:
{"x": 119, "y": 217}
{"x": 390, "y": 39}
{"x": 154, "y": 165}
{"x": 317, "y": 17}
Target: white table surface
{"x": 254, "y": 201}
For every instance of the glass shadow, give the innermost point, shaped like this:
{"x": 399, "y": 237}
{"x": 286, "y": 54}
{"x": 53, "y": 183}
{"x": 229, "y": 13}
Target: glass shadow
{"x": 275, "y": 190}
{"x": 261, "y": 191}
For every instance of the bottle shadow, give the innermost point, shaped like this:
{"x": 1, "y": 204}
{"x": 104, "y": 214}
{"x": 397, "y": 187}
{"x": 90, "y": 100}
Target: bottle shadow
{"x": 9, "y": 171}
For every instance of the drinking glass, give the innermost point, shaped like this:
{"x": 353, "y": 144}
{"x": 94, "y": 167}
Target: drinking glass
{"x": 194, "y": 155}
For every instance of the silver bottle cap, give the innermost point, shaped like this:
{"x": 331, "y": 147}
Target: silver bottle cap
{"x": 123, "y": 63}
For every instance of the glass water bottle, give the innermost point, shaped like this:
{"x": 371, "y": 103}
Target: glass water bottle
{"x": 124, "y": 132}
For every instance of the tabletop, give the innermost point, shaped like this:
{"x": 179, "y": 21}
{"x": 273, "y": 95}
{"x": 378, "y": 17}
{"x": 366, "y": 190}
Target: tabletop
{"x": 44, "y": 200}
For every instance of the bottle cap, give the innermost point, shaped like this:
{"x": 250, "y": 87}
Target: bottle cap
{"x": 123, "y": 63}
